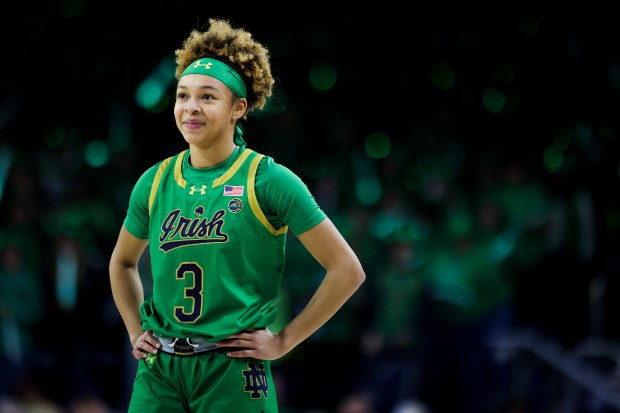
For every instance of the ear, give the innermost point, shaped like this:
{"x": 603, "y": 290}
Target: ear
{"x": 241, "y": 105}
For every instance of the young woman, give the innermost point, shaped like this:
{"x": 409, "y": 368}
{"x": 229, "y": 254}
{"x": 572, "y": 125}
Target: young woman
{"x": 215, "y": 217}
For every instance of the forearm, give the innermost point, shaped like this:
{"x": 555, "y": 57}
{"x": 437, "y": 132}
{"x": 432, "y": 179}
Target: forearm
{"x": 336, "y": 288}
{"x": 128, "y": 295}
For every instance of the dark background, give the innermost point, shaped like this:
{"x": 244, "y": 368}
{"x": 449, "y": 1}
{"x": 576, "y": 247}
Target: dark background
{"x": 470, "y": 157}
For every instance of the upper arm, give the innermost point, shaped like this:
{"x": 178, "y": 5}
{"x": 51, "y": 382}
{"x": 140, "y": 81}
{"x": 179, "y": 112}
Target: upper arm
{"x": 285, "y": 198}
{"x": 128, "y": 249}
{"x": 328, "y": 247}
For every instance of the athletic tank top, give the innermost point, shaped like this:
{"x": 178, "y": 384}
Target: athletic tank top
{"x": 216, "y": 261}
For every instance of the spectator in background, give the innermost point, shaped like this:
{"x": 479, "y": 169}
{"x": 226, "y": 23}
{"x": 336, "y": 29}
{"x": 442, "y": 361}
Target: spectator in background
{"x": 21, "y": 308}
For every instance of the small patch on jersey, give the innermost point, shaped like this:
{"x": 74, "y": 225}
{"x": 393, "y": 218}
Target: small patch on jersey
{"x": 199, "y": 210}
{"x": 255, "y": 380}
{"x": 195, "y": 191}
{"x": 235, "y": 205}
{"x": 231, "y": 190}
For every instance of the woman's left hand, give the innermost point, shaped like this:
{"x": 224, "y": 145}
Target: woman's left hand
{"x": 258, "y": 343}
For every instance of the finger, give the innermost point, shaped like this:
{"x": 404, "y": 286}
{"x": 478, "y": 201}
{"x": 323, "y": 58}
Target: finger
{"x": 240, "y": 353}
{"x": 246, "y": 333}
{"x": 230, "y": 342}
{"x": 225, "y": 343}
{"x": 151, "y": 340}
{"x": 139, "y": 354}
{"x": 147, "y": 346}
{"x": 236, "y": 336}
{"x": 245, "y": 344}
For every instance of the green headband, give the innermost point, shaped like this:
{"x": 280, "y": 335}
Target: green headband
{"x": 220, "y": 71}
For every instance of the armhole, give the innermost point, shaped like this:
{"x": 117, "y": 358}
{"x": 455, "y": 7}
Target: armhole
{"x": 254, "y": 202}
{"x": 157, "y": 180}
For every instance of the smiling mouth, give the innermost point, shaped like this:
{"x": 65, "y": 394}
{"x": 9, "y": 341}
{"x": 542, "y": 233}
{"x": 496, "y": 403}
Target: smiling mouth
{"x": 193, "y": 125}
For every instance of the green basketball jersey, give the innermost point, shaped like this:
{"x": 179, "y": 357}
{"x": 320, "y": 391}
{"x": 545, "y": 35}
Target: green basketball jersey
{"x": 216, "y": 260}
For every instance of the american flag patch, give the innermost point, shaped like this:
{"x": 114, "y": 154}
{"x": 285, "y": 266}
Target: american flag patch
{"x": 230, "y": 190}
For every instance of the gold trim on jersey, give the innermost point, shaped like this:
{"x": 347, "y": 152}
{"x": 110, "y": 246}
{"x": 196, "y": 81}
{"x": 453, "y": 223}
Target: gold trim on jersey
{"x": 254, "y": 202}
{"x": 178, "y": 172}
{"x": 178, "y": 177}
{"x": 178, "y": 169}
{"x": 157, "y": 180}
{"x": 233, "y": 169}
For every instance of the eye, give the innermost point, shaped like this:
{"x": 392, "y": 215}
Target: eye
{"x": 207, "y": 97}
{"x": 181, "y": 95}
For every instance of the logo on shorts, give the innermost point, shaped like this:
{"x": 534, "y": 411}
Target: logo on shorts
{"x": 255, "y": 380}
{"x": 150, "y": 359}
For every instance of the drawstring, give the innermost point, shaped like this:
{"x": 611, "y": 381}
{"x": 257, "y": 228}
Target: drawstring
{"x": 188, "y": 342}
{"x": 191, "y": 344}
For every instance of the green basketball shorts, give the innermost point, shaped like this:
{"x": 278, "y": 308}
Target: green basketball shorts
{"x": 207, "y": 382}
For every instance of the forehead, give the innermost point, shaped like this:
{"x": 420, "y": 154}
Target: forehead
{"x": 201, "y": 82}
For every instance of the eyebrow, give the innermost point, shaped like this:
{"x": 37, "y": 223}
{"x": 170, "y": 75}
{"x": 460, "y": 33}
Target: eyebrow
{"x": 199, "y": 87}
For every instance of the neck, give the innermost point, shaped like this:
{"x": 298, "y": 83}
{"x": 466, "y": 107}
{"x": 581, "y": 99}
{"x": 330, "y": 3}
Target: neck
{"x": 211, "y": 156}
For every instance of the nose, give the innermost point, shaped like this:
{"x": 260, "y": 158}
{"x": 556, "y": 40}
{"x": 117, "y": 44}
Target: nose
{"x": 192, "y": 106}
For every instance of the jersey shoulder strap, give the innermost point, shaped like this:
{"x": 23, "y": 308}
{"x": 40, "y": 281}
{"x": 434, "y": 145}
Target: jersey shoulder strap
{"x": 159, "y": 174}
{"x": 179, "y": 158}
{"x": 254, "y": 205}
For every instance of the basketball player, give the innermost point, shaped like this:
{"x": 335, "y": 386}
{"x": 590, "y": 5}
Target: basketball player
{"x": 215, "y": 218}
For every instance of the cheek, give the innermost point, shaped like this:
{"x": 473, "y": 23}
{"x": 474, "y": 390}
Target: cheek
{"x": 177, "y": 113}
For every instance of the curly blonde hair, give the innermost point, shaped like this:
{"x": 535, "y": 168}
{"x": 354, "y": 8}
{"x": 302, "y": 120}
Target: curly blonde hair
{"x": 235, "y": 47}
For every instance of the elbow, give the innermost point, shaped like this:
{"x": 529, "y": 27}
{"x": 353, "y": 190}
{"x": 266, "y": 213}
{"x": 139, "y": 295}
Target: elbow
{"x": 358, "y": 274}
{"x": 114, "y": 264}
{"x": 361, "y": 276}
{"x": 117, "y": 264}
{"x": 348, "y": 272}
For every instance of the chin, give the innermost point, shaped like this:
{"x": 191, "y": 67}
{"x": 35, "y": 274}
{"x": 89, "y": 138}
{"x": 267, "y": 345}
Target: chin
{"x": 192, "y": 139}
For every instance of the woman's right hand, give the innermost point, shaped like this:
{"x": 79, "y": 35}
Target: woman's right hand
{"x": 145, "y": 343}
